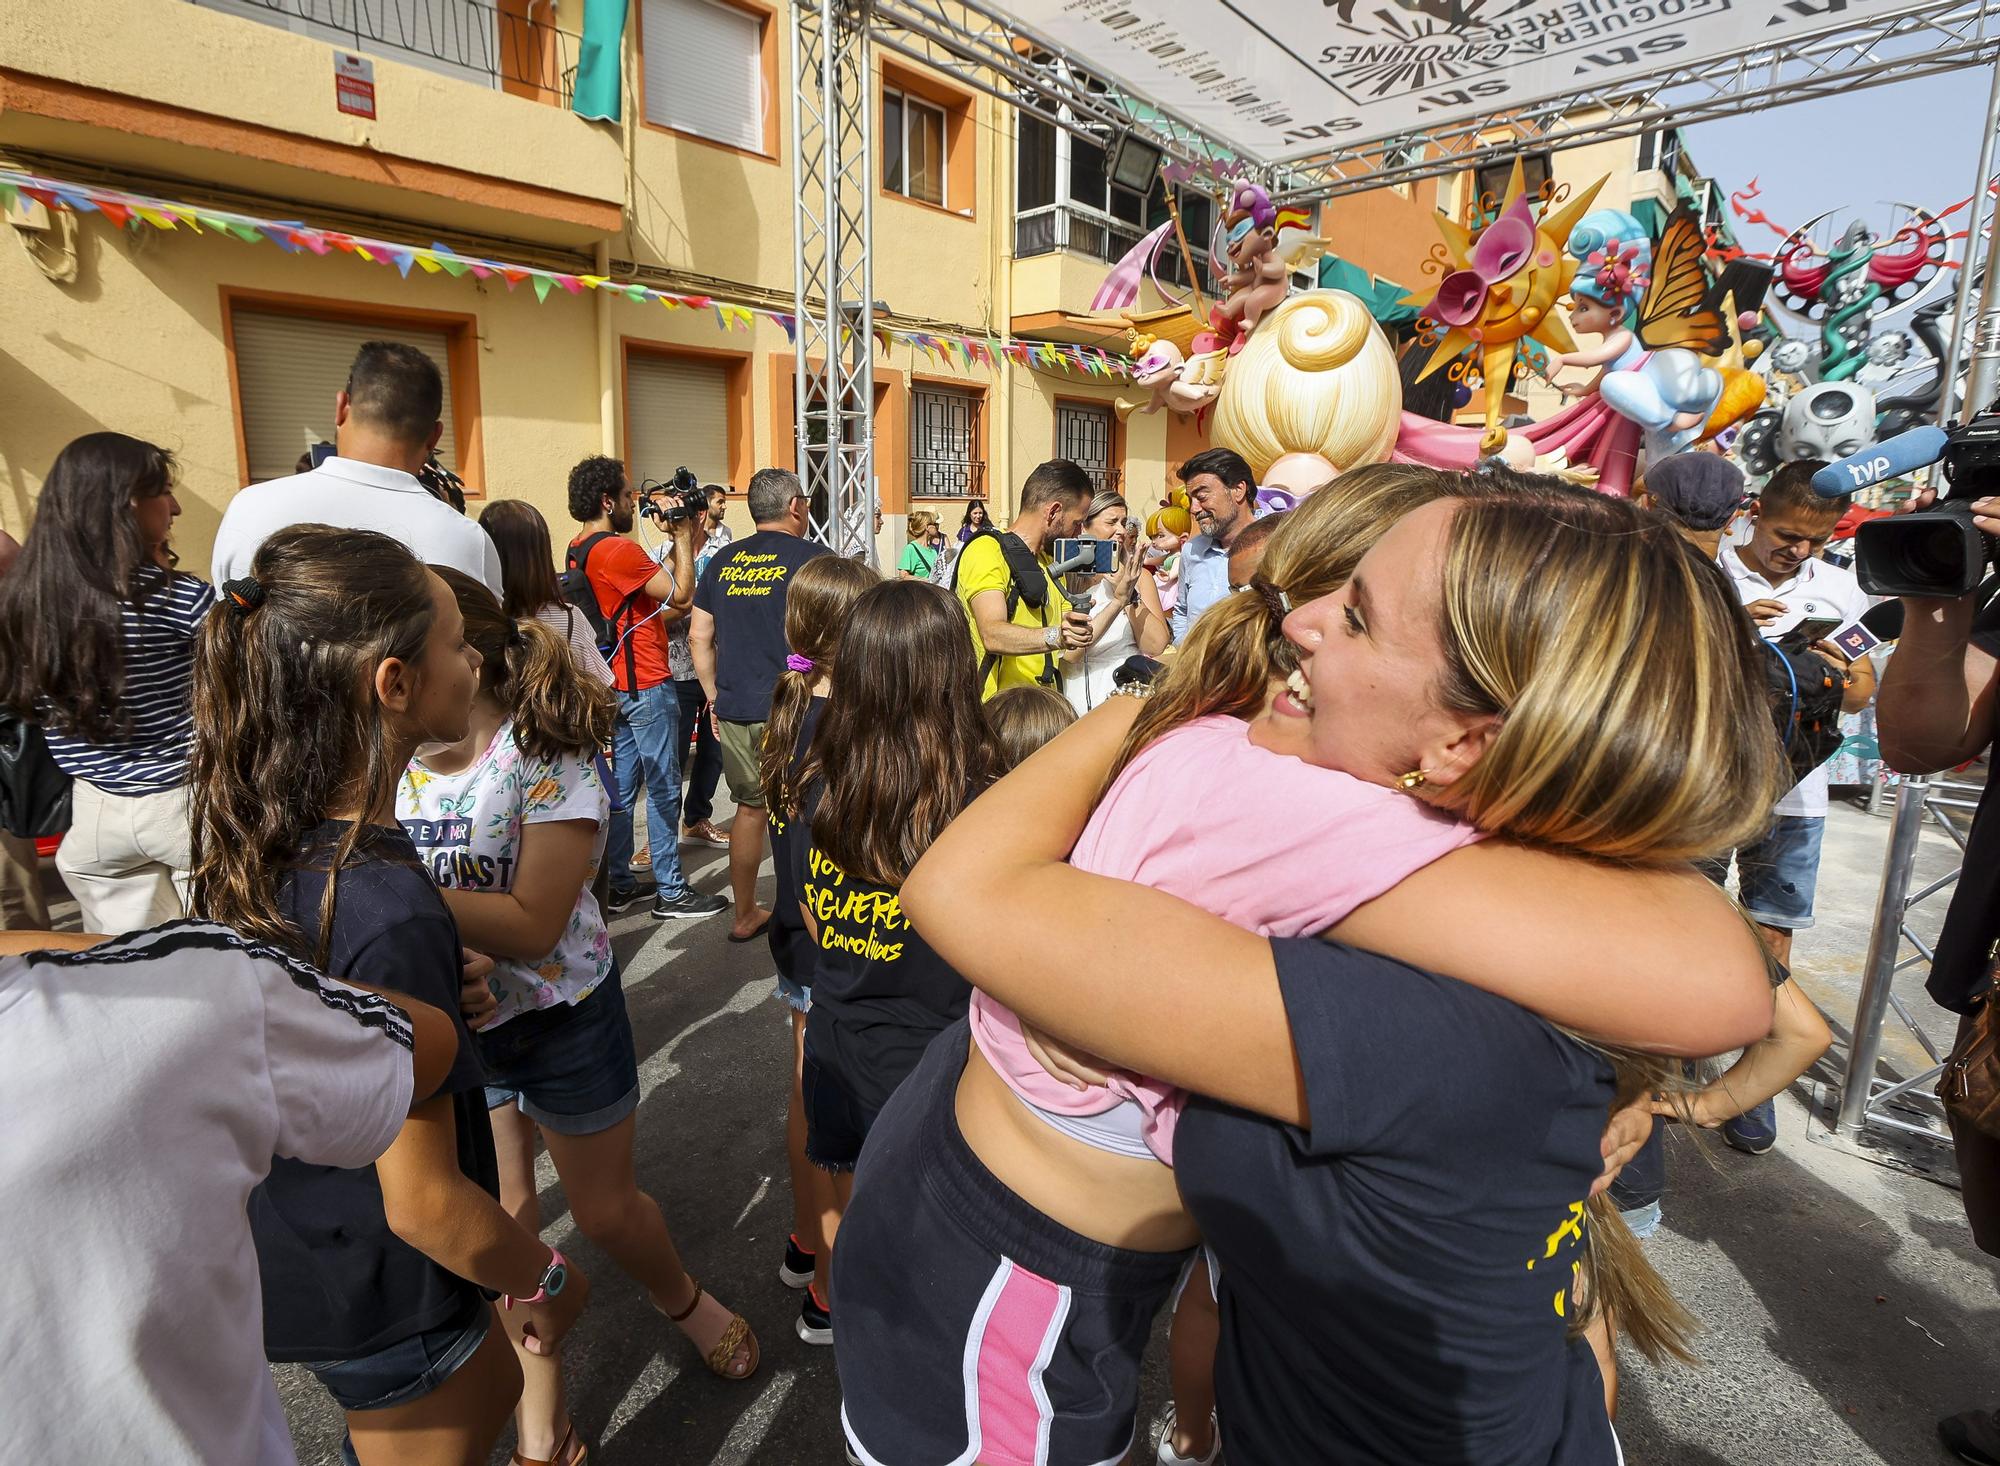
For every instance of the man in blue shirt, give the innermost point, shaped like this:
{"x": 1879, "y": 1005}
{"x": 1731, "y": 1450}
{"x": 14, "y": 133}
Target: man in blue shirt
{"x": 1222, "y": 494}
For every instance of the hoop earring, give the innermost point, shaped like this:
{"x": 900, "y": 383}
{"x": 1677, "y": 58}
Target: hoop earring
{"x": 1411, "y": 782}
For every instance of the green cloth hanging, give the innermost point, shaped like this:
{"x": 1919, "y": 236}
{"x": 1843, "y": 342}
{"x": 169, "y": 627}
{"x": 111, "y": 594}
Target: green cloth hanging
{"x": 597, "y": 93}
{"x": 1382, "y": 297}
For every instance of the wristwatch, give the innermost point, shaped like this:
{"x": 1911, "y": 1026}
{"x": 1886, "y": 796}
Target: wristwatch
{"x": 553, "y": 1278}
{"x": 1052, "y": 637}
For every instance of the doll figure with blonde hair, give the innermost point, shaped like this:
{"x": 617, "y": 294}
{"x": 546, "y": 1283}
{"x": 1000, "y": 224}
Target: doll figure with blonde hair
{"x": 1316, "y": 392}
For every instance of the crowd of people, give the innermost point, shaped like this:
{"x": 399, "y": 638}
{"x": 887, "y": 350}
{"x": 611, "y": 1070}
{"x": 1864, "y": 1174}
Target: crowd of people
{"x": 348, "y": 822}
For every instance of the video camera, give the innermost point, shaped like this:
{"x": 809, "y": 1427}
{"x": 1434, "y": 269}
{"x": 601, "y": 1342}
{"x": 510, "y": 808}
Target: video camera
{"x": 685, "y": 498}
{"x": 1933, "y": 552}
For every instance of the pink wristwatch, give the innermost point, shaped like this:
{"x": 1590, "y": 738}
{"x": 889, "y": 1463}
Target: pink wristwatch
{"x": 553, "y": 1278}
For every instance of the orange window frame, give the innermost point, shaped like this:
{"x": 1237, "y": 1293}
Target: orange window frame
{"x": 462, "y": 362}
{"x": 767, "y": 31}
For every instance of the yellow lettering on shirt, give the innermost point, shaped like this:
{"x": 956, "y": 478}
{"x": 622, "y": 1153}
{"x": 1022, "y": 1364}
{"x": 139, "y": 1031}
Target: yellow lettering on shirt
{"x": 751, "y": 575}
{"x": 852, "y": 920}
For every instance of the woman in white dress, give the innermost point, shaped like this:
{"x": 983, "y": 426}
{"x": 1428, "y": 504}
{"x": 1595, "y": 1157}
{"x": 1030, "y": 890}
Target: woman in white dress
{"x": 1124, "y": 607}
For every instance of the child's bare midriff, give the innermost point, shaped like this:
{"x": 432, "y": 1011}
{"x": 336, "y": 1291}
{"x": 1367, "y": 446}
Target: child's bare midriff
{"x": 1118, "y": 1200}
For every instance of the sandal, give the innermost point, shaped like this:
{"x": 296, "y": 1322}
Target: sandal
{"x": 569, "y": 1452}
{"x": 725, "y": 1348}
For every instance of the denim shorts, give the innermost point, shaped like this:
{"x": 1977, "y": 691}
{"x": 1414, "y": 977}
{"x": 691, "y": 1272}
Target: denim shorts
{"x": 796, "y": 995}
{"x": 571, "y": 1069}
{"x": 836, "y": 1122}
{"x": 406, "y": 1370}
{"x": 1775, "y": 877}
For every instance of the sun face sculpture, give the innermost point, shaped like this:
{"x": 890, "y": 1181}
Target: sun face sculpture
{"x": 1500, "y": 290}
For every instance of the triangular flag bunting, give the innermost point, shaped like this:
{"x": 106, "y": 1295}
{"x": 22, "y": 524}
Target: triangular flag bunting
{"x": 542, "y": 287}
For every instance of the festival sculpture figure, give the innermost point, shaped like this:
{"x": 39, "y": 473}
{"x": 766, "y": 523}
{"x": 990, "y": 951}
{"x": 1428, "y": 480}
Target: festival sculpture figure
{"x": 1647, "y": 309}
{"x": 1506, "y": 274}
{"x": 1176, "y": 383}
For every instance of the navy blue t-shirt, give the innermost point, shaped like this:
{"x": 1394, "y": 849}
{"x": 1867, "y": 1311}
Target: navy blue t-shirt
{"x": 1397, "y": 1277}
{"x": 791, "y": 944}
{"x": 338, "y": 1283}
{"x": 744, "y": 589}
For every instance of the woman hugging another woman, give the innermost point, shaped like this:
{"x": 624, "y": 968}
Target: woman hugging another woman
{"x": 1378, "y": 1300}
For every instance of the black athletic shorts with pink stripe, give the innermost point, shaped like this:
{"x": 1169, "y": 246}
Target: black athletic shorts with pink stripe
{"x": 973, "y": 1328}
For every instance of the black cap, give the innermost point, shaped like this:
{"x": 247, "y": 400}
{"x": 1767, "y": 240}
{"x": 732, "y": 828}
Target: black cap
{"x": 1701, "y": 490}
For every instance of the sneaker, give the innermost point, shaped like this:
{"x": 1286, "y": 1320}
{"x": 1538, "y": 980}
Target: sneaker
{"x": 688, "y": 906}
{"x": 1755, "y": 1130}
{"x": 815, "y": 1323}
{"x": 796, "y": 1271}
{"x": 624, "y": 898}
{"x": 1973, "y": 1436}
{"x": 701, "y": 832}
{"x": 1168, "y": 1456}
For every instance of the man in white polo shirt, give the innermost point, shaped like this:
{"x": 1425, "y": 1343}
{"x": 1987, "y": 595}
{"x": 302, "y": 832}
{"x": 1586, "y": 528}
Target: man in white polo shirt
{"x": 1778, "y": 574}
{"x": 386, "y": 422}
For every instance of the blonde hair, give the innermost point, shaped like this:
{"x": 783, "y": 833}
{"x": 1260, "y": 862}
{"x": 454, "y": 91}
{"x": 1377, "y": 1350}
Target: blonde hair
{"x": 1635, "y": 722}
{"x": 1237, "y": 646}
{"x": 1022, "y": 720}
{"x": 921, "y": 520}
{"x": 1169, "y": 519}
{"x": 1317, "y": 376}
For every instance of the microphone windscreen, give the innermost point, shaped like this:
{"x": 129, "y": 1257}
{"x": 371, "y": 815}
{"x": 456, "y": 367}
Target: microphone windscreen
{"x": 1885, "y": 620}
{"x": 1904, "y": 453}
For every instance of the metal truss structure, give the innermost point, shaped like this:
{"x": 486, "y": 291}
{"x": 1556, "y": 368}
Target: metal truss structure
{"x": 833, "y": 177}
{"x": 1865, "y": 1098}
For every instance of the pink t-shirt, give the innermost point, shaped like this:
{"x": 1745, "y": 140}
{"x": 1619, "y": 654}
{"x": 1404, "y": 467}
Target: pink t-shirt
{"x": 1261, "y": 839}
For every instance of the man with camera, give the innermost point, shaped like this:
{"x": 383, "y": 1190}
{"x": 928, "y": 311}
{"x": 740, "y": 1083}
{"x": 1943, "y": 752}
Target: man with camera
{"x": 1021, "y": 620}
{"x": 1937, "y": 711}
{"x": 637, "y": 600}
{"x": 737, "y": 637}
{"x": 701, "y": 755}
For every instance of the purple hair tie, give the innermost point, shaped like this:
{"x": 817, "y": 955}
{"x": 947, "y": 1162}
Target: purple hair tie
{"x": 796, "y": 663}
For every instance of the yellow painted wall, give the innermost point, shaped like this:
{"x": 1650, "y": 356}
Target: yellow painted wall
{"x": 207, "y": 61}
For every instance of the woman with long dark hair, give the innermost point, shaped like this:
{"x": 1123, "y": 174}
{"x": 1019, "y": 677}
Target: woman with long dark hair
{"x": 976, "y": 519}
{"x": 530, "y": 589}
{"x": 901, "y": 747}
{"x": 97, "y": 633}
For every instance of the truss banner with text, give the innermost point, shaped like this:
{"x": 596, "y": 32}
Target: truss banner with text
{"x": 1285, "y": 79}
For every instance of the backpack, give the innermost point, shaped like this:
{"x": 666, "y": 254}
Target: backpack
{"x": 582, "y": 596}
{"x": 1025, "y": 582}
{"x": 1806, "y": 691}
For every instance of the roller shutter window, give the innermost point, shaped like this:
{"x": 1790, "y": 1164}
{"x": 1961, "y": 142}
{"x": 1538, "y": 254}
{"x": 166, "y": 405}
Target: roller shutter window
{"x": 288, "y": 369}
{"x": 676, "y": 414}
{"x": 704, "y": 65}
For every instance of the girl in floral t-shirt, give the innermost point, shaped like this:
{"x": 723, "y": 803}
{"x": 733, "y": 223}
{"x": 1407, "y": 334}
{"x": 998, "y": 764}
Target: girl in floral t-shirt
{"x": 511, "y": 824}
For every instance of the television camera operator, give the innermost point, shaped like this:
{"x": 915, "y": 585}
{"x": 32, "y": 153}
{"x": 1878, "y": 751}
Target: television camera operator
{"x": 1936, "y": 710}
{"x": 634, "y": 600}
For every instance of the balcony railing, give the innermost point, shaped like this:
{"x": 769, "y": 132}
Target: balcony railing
{"x": 475, "y": 40}
{"x": 947, "y": 478}
{"x": 1088, "y": 231}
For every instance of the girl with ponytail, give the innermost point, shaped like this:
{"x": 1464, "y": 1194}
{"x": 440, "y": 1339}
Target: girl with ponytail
{"x": 823, "y": 591}
{"x": 315, "y": 680}
{"x": 510, "y": 819}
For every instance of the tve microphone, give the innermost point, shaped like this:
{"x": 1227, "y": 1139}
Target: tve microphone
{"x": 1904, "y": 453}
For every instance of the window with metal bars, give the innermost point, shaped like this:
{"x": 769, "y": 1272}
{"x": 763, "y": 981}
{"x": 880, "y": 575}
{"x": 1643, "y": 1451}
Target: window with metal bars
{"x": 1083, "y": 436}
{"x": 944, "y": 444}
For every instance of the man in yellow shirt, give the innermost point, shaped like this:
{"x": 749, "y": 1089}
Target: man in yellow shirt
{"x": 1021, "y": 620}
